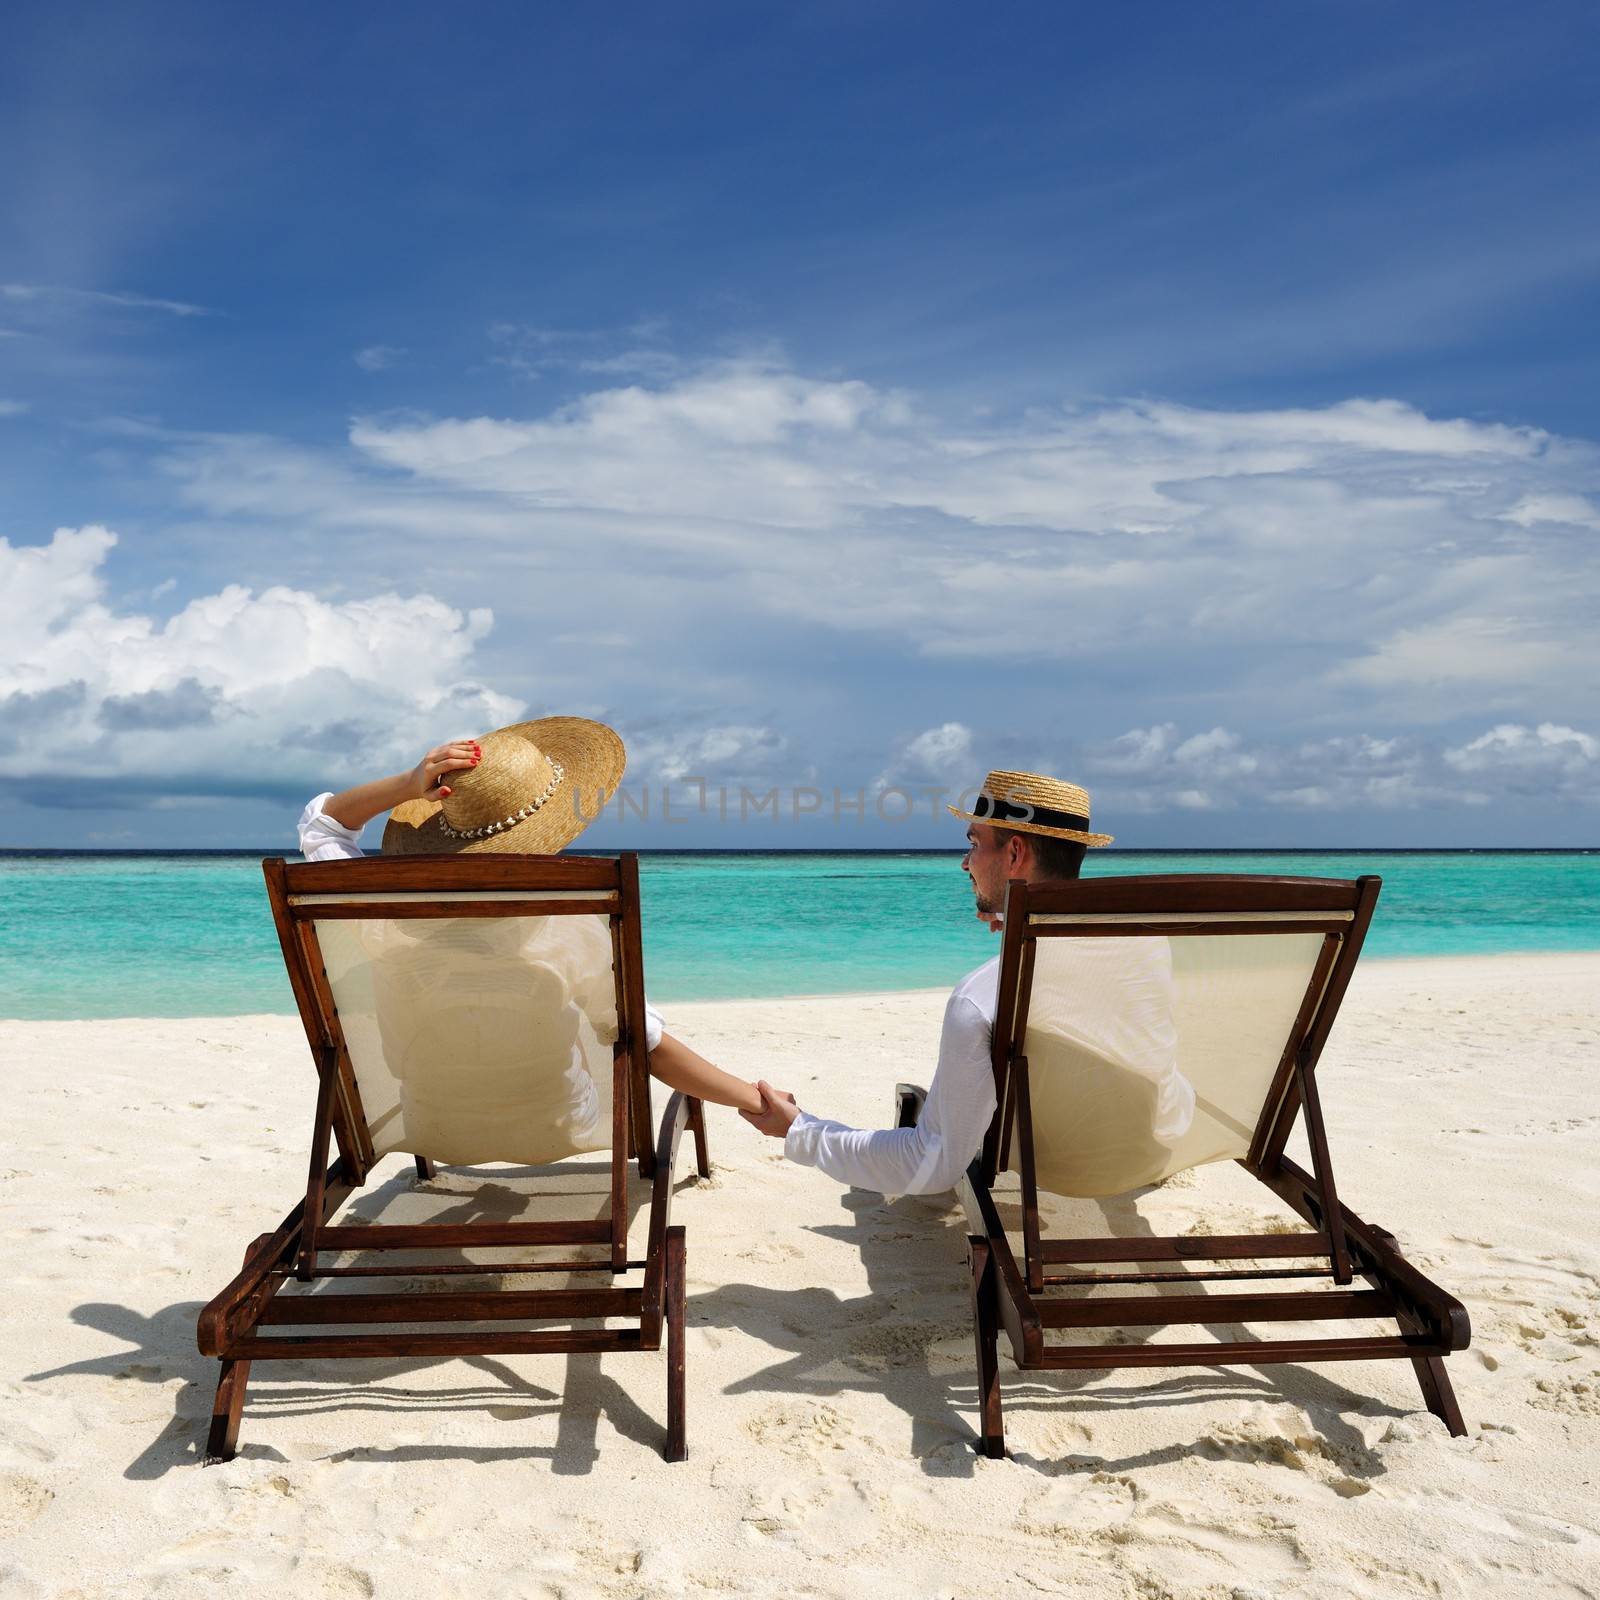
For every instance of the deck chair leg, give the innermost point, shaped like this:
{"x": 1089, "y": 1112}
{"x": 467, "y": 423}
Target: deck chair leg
{"x": 425, "y": 1169}
{"x": 986, "y": 1331}
{"x": 697, "y": 1126}
{"x": 226, "y": 1410}
{"x": 1438, "y": 1394}
{"x": 677, "y": 1440}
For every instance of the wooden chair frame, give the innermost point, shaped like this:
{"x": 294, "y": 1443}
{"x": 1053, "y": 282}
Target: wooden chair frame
{"x": 1340, "y": 1247}
{"x": 231, "y": 1326}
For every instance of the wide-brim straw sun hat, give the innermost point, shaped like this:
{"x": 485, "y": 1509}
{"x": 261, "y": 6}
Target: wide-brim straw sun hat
{"x": 1030, "y": 803}
{"x": 536, "y": 787}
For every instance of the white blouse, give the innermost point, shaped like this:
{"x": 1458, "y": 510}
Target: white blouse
{"x": 323, "y": 839}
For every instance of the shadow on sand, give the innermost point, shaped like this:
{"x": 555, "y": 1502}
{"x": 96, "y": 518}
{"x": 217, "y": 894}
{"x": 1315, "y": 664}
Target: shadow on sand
{"x": 161, "y": 1348}
{"x": 908, "y": 1339}
{"x": 899, "y": 1340}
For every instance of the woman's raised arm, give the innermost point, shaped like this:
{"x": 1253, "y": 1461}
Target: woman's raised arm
{"x": 355, "y": 808}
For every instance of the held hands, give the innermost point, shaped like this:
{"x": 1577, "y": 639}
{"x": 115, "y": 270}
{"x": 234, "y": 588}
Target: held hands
{"x": 777, "y": 1111}
{"x": 426, "y": 780}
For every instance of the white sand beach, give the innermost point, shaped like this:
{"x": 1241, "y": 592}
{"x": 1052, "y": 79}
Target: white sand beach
{"x": 830, "y": 1349}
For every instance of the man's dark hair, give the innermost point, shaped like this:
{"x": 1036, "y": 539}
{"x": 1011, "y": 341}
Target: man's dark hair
{"x": 1055, "y": 858}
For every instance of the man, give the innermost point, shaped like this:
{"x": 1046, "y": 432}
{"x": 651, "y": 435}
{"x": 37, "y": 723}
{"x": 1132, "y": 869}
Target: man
{"x": 1035, "y": 828}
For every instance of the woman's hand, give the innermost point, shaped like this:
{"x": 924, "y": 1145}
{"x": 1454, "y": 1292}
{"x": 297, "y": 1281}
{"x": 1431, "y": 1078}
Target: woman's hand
{"x": 355, "y": 808}
{"x": 777, "y": 1111}
{"x": 426, "y": 780}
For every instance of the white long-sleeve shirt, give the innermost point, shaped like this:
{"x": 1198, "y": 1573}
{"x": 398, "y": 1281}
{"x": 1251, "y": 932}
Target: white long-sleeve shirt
{"x": 323, "y": 839}
{"x": 1127, "y": 986}
{"x": 930, "y": 1157}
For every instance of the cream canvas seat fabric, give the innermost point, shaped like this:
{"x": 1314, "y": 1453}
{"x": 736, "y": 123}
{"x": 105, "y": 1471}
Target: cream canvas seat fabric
{"x": 1116, "y": 1065}
{"x": 1085, "y": 1058}
{"x": 468, "y": 1009}
{"x": 478, "y": 1040}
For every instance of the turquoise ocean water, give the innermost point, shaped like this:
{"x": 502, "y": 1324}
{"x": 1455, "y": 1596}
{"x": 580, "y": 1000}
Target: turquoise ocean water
{"x": 90, "y": 935}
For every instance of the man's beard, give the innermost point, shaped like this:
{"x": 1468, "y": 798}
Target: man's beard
{"x": 984, "y": 903}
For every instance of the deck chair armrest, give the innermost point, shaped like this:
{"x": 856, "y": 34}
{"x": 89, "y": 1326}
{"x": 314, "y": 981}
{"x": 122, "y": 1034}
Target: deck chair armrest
{"x": 908, "y": 1101}
{"x": 654, "y": 1292}
{"x": 1377, "y": 1256}
{"x": 233, "y": 1312}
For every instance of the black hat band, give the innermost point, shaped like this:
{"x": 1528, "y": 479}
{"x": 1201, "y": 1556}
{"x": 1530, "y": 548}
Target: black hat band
{"x": 990, "y": 808}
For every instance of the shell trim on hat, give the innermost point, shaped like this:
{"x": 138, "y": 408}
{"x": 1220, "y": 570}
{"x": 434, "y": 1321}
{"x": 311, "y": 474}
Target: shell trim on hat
{"x": 501, "y": 804}
{"x": 557, "y": 773}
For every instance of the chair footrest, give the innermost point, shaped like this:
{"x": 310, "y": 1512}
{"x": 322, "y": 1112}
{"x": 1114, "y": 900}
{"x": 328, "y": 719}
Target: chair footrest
{"x": 497, "y": 1305}
{"x": 440, "y": 1346}
{"x": 1187, "y": 1247}
{"x": 1261, "y": 1353}
{"x": 1157, "y": 1310}
{"x": 458, "y": 1235}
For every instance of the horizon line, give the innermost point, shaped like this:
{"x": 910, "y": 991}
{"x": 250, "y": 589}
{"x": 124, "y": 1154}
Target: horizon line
{"x": 14, "y": 851}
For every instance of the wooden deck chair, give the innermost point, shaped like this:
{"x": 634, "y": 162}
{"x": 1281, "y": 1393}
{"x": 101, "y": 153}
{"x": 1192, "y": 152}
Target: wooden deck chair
{"x": 463, "y": 1009}
{"x": 1258, "y": 968}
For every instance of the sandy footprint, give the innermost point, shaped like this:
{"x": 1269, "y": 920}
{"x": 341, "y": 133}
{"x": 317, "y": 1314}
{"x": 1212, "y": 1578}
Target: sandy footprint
{"x": 807, "y": 1428}
{"x": 22, "y": 1499}
{"x": 1196, "y": 1544}
{"x": 333, "y": 1582}
{"x": 1080, "y": 1506}
{"x": 820, "y": 1517}
{"x": 1283, "y": 1436}
{"x": 771, "y": 1253}
{"x": 1572, "y": 1397}
{"x": 890, "y": 1346}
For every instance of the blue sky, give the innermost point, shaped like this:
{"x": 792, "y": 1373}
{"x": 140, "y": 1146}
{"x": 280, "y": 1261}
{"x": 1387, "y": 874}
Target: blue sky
{"x": 1194, "y": 401}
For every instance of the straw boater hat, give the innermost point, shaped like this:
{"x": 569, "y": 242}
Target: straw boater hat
{"x": 1028, "y": 803}
{"x": 536, "y": 788}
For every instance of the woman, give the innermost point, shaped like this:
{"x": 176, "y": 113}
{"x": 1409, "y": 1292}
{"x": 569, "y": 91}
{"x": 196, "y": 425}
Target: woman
{"x": 530, "y": 788}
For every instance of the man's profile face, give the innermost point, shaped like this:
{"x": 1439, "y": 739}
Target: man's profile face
{"x": 985, "y": 864}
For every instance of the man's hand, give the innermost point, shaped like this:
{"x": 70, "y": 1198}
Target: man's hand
{"x": 777, "y": 1111}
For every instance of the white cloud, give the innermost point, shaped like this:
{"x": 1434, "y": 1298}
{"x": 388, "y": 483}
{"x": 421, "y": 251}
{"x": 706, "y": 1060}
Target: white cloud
{"x": 1571, "y": 509}
{"x": 1368, "y": 580}
{"x": 726, "y": 754}
{"x": 1550, "y": 747}
{"x": 1219, "y": 753}
{"x": 731, "y": 447}
{"x": 1139, "y": 750}
{"x": 1464, "y": 652}
{"x": 237, "y": 692}
{"x": 1405, "y": 557}
{"x": 279, "y": 691}
{"x": 26, "y": 292}
{"x": 1151, "y": 769}
{"x": 1309, "y": 797}
{"x": 635, "y": 351}
{"x": 14, "y": 408}
{"x": 941, "y": 756}
{"x": 378, "y": 357}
